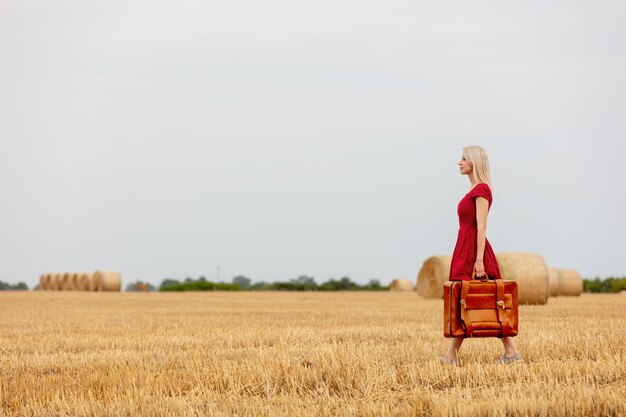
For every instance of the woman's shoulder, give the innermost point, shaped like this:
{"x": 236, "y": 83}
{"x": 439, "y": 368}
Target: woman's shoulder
{"x": 480, "y": 186}
{"x": 481, "y": 190}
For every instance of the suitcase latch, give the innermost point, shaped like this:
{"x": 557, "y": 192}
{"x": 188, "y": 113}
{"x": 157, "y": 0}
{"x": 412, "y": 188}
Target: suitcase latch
{"x": 500, "y": 304}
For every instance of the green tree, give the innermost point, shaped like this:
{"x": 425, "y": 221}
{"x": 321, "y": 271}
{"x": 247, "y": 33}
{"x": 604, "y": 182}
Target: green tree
{"x": 261, "y": 285}
{"x": 9, "y": 287}
{"x": 199, "y": 285}
{"x": 610, "y": 284}
{"x": 304, "y": 282}
{"x": 243, "y": 282}
{"x": 168, "y": 282}
{"x": 374, "y": 284}
{"x": 347, "y": 284}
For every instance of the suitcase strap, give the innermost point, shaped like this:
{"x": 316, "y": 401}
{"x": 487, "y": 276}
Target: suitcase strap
{"x": 464, "y": 315}
{"x": 505, "y": 326}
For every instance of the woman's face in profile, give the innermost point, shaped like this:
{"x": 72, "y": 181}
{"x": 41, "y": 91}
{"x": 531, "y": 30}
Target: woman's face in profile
{"x": 464, "y": 167}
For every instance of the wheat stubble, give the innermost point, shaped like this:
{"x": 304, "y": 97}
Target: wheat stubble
{"x": 298, "y": 354}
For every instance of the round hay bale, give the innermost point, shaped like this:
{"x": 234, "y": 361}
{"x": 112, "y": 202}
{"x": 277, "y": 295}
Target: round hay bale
{"x": 108, "y": 281}
{"x": 531, "y": 274}
{"x": 84, "y": 280}
{"x": 570, "y": 283}
{"x": 76, "y": 281}
{"x": 51, "y": 282}
{"x": 553, "y": 280}
{"x": 58, "y": 282}
{"x": 94, "y": 282}
{"x": 42, "y": 282}
{"x": 49, "y": 278}
{"x": 401, "y": 284}
{"x": 67, "y": 283}
{"x": 434, "y": 273}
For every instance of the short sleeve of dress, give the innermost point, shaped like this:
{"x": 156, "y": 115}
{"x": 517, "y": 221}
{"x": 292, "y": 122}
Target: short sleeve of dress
{"x": 481, "y": 190}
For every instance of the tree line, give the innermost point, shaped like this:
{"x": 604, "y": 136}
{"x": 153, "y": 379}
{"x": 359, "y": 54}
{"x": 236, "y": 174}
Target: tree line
{"x": 610, "y": 284}
{"x": 243, "y": 283}
{"x": 20, "y": 286}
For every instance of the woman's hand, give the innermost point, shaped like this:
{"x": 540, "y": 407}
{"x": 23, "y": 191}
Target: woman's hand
{"x": 479, "y": 268}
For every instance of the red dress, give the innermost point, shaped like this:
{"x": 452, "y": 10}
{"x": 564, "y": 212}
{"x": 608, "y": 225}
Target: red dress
{"x": 464, "y": 255}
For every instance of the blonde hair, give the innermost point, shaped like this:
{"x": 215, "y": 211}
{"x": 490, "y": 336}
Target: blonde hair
{"x": 477, "y": 157}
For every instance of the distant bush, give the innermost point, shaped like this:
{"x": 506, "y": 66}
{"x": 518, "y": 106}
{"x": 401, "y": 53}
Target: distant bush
{"x": 243, "y": 282}
{"x": 168, "y": 282}
{"x": 374, "y": 285}
{"x": 198, "y": 285}
{"x": 610, "y": 284}
{"x": 302, "y": 283}
{"x": 262, "y": 285}
{"x": 306, "y": 283}
{"x": 20, "y": 286}
{"x": 344, "y": 284}
{"x": 140, "y": 287}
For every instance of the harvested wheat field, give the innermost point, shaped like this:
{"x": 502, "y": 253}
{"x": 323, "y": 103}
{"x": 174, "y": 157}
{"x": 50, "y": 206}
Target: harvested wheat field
{"x": 299, "y": 354}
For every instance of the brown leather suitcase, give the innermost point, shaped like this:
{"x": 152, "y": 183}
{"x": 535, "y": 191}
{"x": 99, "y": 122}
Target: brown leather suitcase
{"x": 480, "y": 308}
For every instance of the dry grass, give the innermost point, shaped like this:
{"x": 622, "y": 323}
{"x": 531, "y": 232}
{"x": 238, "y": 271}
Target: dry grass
{"x": 299, "y": 354}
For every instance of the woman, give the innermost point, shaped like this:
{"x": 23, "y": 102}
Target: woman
{"x": 473, "y": 253}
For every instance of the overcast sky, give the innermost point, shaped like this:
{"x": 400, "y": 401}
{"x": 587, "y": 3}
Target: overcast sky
{"x": 280, "y": 138}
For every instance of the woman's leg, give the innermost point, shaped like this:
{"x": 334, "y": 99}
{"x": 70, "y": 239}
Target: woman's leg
{"x": 509, "y": 346}
{"x": 453, "y": 347}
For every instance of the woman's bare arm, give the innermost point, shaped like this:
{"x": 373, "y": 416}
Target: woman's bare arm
{"x": 482, "y": 208}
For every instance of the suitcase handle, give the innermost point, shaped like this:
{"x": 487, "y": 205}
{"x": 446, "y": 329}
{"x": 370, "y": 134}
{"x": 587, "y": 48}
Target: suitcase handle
{"x": 483, "y": 278}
